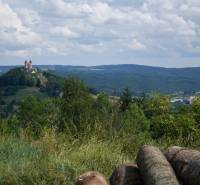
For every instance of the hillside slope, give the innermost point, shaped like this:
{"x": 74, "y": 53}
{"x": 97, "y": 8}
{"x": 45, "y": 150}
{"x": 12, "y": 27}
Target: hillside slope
{"x": 140, "y": 79}
{"x": 19, "y": 77}
{"x": 17, "y": 84}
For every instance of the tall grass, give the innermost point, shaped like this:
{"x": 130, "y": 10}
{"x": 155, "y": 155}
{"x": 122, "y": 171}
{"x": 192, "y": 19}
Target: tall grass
{"x": 56, "y": 158}
{"x": 59, "y": 159}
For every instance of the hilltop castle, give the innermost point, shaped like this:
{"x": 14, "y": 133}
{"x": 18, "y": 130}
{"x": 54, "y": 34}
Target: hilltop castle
{"x": 28, "y": 66}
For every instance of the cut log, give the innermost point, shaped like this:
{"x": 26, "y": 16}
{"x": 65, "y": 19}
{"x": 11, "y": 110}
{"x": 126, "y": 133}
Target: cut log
{"x": 128, "y": 174}
{"x": 186, "y": 164}
{"x": 154, "y": 167}
{"x": 91, "y": 178}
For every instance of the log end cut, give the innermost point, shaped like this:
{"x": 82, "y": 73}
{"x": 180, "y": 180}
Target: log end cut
{"x": 127, "y": 174}
{"x": 186, "y": 163}
{"x": 91, "y": 178}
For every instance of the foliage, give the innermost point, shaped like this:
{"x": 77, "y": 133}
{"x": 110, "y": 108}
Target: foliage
{"x": 77, "y": 104}
{"x": 55, "y": 84}
{"x": 103, "y": 104}
{"x": 17, "y": 84}
{"x": 37, "y": 114}
{"x": 113, "y": 79}
{"x": 53, "y": 140}
{"x": 156, "y": 105}
{"x": 196, "y": 111}
{"x": 125, "y": 99}
{"x": 18, "y": 77}
{"x": 135, "y": 120}
{"x": 15, "y": 79}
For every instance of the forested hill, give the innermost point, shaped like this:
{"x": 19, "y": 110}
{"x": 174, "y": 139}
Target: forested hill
{"x": 140, "y": 79}
{"x": 17, "y": 77}
{"x": 114, "y": 78}
{"x": 17, "y": 84}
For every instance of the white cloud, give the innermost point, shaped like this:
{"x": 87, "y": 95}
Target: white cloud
{"x": 12, "y": 31}
{"x": 64, "y": 31}
{"x": 159, "y": 27}
{"x": 29, "y": 17}
{"x": 23, "y": 52}
{"x": 136, "y": 45}
{"x": 63, "y": 8}
{"x": 8, "y": 18}
{"x": 94, "y": 48}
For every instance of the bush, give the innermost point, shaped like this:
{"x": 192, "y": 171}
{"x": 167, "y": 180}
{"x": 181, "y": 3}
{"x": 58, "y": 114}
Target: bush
{"x": 135, "y": 121}
{"x": 182, "y": 127}
{"x": 77, "y": 104}
{"x": 37, "y": 114}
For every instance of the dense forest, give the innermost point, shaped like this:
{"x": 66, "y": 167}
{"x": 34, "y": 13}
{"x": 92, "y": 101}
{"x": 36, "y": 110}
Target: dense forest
{"x": 139, "y": 79}
{"x": 112, "y": 79}
{"x": 52, "y": 140}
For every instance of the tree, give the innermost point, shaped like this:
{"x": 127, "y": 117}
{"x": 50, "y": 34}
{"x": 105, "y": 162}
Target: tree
{"x": 102, "y": 103}
{"x": 135, "y": 120}
{"x": 175, "y": 126}
{"x": 195, "y": 109}
{"x": 157, "y": 105}
{"x": 37, "y": 114}
{"x": 125, "y": 99}
{"x": 77, "y": 103}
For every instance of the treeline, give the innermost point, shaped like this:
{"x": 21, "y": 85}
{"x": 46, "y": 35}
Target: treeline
{"x": 78, "y": 113}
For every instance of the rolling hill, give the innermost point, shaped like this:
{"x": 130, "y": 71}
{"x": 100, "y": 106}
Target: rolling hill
{"x": 140, "y": 79}
{"x": 17, "y": 84}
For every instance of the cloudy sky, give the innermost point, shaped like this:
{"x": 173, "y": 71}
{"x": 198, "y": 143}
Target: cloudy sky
{"x": 93, "y": 32}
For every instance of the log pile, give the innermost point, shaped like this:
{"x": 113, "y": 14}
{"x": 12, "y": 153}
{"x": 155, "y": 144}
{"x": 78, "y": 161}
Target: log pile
{"x": 176, "y": 166}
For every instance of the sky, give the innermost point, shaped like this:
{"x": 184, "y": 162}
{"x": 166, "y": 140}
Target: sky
{"x": 100, "y": 32}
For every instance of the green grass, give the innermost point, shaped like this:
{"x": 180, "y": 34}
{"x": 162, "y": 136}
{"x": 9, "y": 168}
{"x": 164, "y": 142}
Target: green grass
{"x": 59, "y": 159}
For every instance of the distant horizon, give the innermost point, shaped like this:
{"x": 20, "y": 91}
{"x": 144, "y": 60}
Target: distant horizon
{"x": 19, "y": 65}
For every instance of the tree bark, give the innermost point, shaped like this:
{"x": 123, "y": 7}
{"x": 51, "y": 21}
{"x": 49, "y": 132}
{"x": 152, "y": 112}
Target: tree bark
{"x": 186, "y": 164}
{"x": 155, "y": 168}
{"x": 127, "y": 174}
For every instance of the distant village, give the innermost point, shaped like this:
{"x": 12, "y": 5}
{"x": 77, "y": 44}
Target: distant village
{"x": 185, "y": 99}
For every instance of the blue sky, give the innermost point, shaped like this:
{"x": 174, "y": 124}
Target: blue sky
{"x": 94, "y": 32}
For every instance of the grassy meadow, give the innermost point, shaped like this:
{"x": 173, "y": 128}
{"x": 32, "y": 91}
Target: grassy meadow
{"x": 58, "y": 159}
